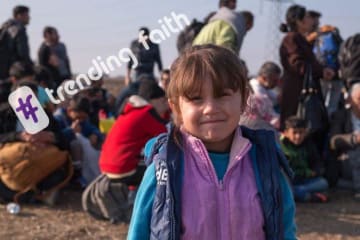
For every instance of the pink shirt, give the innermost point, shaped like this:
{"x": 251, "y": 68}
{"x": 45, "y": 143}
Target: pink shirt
{"x": 216, "y": 210}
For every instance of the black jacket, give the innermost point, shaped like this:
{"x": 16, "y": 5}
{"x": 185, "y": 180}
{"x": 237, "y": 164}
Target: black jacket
{"x": 146, "y": 57}
{"x": 14, "y": 46}
{"x": 341, "y": 132}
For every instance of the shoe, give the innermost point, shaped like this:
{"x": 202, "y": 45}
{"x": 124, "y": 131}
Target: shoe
{"x": 319, "y": 198}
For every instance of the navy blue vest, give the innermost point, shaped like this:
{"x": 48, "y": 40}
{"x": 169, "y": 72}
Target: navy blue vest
{"x": 167, "y": 157}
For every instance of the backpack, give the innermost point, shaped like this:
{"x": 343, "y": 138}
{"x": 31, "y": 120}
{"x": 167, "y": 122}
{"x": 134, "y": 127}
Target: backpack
{"x": 349, "y": 59}
{"x": 326, "y": 47}
{"x": 187, "y": 36}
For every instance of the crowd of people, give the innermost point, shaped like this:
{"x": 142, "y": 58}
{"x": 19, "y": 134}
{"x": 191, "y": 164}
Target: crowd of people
{"x": 203, "y": 145}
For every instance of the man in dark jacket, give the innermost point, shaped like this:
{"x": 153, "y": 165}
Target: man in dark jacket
{"x": 53, "y": 55}
{"x": 14, "y": 44}
{"x": 147, "y": 54}
{"x": 345, "y": 139}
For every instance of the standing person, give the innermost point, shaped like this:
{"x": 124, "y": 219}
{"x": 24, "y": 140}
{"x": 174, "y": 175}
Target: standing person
{"x": 296, "y": 57}
{"x": 230, "y": 4}
{"x": 209, "y": 167}
{"x": 226, "y": 28}
{"x": 53, "y": 55}
{"x": 14, "y": 45}
{"x": 146, "y": 57}
{"x": 315, "y": 19}
{"x": 326, "y": 41}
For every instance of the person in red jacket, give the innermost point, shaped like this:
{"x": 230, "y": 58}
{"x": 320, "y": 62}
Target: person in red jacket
{"x": 138, "y": 122}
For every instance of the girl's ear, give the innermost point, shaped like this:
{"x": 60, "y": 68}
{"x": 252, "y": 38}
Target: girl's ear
{"x": 176, "y": 112}
{"x": 171, "y": 105}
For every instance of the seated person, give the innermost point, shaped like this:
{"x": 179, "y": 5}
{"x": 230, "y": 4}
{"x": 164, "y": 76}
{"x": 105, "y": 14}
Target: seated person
{"x": 101, "y": 101}
{"x": 43, "y": 79}
{"x": 345, "y": 139}
{"x": 11, "y": 130}
{"x": 122, "y": 150}
{"x": 264, "y": 94}
{"x": 128, "y": 91}
{"x": 164, "y": 79}
{"x": 308, "y": 185}
{"x": 21, "y": 71}
{"x": 85, "y": 139}
{"x": 139, "y": 122}
{"x": 75, "y": 119}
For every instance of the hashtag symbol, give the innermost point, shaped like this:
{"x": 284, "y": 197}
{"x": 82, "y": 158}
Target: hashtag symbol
{"x": 27, "y": 109}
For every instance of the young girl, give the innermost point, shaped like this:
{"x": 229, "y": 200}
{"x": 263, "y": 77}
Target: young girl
{"x": 212, "y": 179}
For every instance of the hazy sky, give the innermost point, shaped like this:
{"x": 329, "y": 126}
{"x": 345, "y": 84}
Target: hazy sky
{"x": 92, "y": 28}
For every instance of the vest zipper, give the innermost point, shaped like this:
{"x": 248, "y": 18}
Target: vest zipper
{"x": 221, "y": 185}
{"x": 173, "y": 220}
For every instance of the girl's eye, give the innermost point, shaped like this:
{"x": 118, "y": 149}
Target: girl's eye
{"x": 194, "y": 98}
{"x": 227, "y": 93}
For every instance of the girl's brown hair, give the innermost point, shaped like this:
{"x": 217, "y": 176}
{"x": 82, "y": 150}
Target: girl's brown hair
{"x": 190, "y": 70}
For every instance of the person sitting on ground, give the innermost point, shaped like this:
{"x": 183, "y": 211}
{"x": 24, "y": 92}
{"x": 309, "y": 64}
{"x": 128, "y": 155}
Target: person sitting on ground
{"x": 76, "y": 120}
{"x": 264, "y": 93}
{"x": 84, "y": 138}
{"x": 304, "y": 159}
{"x": 11, "y": 131}
{"x": 101, "y": 101}
{"x": 139, "y": 121}
{"x": 267, "y": 79}
{"x": 22, "y": 71}
{"x": 121, "y": 153}
{"x": 43, "y": 79}
{"x": 345, "y": 140}
{"x": 128, "y": 91}
{"x": 164, "y": 79}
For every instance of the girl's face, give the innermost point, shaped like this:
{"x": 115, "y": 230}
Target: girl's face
{"x": 212, "y": 120}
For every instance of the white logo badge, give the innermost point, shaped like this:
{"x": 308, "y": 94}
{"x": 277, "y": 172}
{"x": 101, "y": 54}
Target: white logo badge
{"x": 28, "y": 110}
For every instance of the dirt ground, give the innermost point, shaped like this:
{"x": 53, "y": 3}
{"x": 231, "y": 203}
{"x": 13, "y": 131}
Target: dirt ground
{"x": 338, "y": 219}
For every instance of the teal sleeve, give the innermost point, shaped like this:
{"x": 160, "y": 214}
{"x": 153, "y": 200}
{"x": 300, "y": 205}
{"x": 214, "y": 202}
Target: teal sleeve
{"x": 288, "y": 209}
{"x": 140, "y": 220}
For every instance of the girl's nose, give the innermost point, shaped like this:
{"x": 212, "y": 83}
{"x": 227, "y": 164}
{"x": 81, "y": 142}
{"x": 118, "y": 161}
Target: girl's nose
{"x": 210, "y": 106}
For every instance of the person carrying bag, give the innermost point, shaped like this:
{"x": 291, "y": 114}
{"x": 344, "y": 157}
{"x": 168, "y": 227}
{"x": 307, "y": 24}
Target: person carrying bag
{"x": 311, "y": 105}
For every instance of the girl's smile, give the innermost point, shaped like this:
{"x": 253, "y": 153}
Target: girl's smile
{"x": 211, "y": 119}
